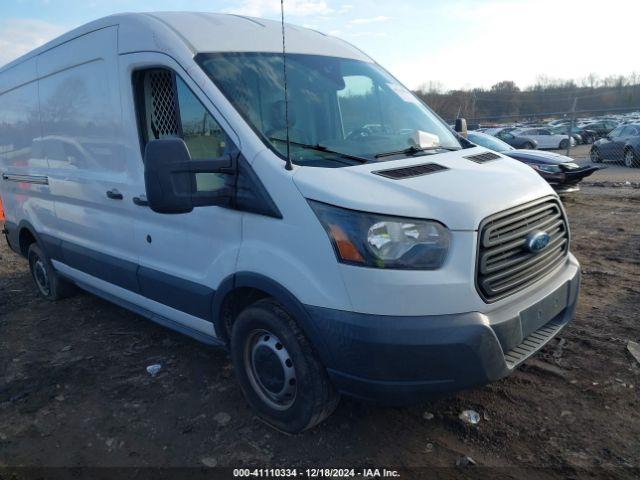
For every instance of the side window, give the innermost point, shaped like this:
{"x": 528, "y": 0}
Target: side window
{"x": 200, "y": 131}
{"x": 544, "y": 132}
{"x": 168, "y": 108}
{"x": 617, "y": 132}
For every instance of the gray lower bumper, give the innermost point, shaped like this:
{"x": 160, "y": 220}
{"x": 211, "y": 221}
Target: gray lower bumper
{"x": 399, "y": 360}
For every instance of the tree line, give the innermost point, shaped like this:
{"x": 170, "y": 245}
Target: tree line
{"x": 547, "y": 97}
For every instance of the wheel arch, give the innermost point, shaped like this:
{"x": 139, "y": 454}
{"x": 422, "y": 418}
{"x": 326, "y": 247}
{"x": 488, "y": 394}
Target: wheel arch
{"x": 242, "y": 289}
{"x": 26, "y": 235}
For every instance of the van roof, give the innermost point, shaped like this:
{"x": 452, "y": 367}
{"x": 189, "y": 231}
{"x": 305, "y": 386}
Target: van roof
{"x": 206, "y": 32}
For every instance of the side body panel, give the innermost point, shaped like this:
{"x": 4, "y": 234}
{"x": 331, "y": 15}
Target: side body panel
{"x": 24, "y": 169}
{"x": 82, "y": 141}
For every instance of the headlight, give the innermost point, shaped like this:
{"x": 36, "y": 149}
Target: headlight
{"x": 381, "y": 241}
{"x": 546, "y": 168}
{"x": 570, "y": 166}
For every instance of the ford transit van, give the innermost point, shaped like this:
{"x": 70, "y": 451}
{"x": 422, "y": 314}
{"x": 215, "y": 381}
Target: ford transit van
{"x": 338, "y": 240}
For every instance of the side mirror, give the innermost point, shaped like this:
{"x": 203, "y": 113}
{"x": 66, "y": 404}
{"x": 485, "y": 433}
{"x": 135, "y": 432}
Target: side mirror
{"x": 170, "y": 177}
{"x": 461, "y": 127}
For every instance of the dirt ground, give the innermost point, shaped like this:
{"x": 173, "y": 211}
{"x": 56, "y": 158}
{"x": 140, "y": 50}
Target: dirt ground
{"x": 75, "y": 392}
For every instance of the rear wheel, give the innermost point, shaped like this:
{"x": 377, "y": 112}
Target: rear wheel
{"x": 630, "y": 158}
{"x": 279, "y": 372}
{"x": 595, "y": 155}
{"x": 50, "y": 285}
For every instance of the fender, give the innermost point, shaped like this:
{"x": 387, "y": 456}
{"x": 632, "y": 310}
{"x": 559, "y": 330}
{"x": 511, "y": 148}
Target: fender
{"x": 283, "y": 296}
{"x": 50, "y": 245}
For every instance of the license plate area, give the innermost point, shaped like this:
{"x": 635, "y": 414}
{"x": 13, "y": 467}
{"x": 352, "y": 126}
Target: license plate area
{"x": 541, "y": 313}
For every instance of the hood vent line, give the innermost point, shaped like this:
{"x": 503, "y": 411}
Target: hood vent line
{"x": 411, "y": 171}
{"x": 483, "y": 157}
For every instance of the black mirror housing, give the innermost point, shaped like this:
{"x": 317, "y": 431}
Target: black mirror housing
{"x": 170, "y": 177}
{"x": 461, "y": 127}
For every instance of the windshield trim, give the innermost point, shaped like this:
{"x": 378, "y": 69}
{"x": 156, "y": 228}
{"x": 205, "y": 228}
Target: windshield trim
{"x": 201, "y": 56}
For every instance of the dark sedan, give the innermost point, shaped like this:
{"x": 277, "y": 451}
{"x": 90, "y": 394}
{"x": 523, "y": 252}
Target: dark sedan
{"x": 516, "y": 141}
{"x": 623, "y": 143}
{"x": 601, "y": 128}
{"x": 562, "y": 173}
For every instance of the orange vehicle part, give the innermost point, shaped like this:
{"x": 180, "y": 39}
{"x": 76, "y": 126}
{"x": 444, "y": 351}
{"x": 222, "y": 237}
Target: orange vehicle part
{"x": 1, "y": 211}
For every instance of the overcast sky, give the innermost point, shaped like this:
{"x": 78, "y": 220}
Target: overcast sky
{"x": 459, "y": 44}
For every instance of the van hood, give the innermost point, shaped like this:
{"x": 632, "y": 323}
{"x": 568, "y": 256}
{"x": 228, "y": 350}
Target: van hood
{"x": 460, "y": 196}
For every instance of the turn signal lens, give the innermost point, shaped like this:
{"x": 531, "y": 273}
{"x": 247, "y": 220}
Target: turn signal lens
{"x": 346, "y": 249}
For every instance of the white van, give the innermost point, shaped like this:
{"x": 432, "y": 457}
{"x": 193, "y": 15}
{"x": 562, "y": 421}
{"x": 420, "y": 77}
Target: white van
{"x": 144, "y": 159}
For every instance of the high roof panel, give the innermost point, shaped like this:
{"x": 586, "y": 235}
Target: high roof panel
{"x": 197, "y": 32}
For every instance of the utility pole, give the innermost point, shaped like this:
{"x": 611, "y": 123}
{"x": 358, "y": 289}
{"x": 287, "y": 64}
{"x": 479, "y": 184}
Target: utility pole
{"x": 573, "y": 119}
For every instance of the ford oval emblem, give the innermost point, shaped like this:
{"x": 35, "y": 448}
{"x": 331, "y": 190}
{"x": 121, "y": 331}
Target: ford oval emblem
{"x": 537, "y": 241}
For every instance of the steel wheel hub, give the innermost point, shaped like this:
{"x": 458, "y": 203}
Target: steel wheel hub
{"x": 41, "y": 277}
{"x": 270, "y": 369}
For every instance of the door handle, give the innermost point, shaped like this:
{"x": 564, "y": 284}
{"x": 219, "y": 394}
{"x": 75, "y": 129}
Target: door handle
{"x": 141, "y": 201}
{"x": 114, "y": 194}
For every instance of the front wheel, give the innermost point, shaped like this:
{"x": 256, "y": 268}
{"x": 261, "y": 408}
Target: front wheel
{"x": 280, "y": 374}
{"x": 595, "y": 155}
{"x": 528, "y": 146}
{"x": 630, "y": 158}
{"x": 564, "y": 144}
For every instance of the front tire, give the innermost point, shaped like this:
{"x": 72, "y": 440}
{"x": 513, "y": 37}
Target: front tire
{"x": 49, "y": 284}
{"x": 563, "y": 144}
{"x": 280, "y": 374}
{"x": 528, "y": 146}
{"x": 630, "y": 158}
{"x": 595, "y": 155}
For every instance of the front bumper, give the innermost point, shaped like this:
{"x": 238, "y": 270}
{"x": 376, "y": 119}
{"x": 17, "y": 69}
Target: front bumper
{"x": 401, "y": 360}
{"x": 568, "y": 180}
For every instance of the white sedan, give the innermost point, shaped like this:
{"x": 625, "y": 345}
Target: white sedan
{"x": 545, "y": 137}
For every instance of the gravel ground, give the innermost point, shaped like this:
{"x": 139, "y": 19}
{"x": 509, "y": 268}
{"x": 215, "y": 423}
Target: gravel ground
{"x": 75, "y": 390}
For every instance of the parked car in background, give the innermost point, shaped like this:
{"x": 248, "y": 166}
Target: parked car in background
{"x": 602, "y": 128}
{"x": 516, "y": 141}
{"x": 588, "y": 136}
{"x": 562, "y": 173}
{"x": 545, "y": 137}
{"x": 564, "y": 130}
{"x": 623, "y": 143}
{"x": 560, "y": 121}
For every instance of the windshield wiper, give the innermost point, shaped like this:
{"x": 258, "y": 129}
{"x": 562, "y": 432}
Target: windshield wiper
{"x": 321, "y": 148}
{"x": 412, "y": 150}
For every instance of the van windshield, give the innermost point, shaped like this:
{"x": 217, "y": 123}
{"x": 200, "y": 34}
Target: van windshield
{"x": 342, "y": 106}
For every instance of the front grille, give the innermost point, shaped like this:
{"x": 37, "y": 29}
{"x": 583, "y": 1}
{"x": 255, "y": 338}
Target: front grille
{"x": 505, "y": 265}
